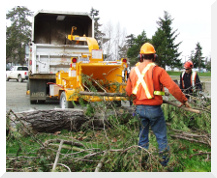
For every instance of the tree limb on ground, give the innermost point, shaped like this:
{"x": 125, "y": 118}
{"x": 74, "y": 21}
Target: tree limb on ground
{"x": 124, "y": 95}
{"x": 190, "y": 139}
{"x": 47, "y": 142}
{"x": 57, "y": 156}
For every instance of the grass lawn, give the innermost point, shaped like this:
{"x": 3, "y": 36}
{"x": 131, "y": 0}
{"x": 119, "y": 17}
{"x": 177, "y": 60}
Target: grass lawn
{"x": 203, "y": 76}
{"x": 208, "y": 74}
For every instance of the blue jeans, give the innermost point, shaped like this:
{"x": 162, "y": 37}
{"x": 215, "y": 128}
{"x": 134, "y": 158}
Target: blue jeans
{"x": 153, "y": 116}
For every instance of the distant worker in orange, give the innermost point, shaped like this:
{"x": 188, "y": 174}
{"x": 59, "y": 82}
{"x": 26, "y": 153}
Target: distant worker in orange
{"x": 146, "y": 82}
{"x": 189, "y": 80}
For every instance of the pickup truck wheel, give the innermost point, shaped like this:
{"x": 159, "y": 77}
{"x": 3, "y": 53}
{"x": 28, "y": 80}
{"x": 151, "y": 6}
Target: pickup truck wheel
{"x": 20, "y": 78}
{"x": 64, "y": 103}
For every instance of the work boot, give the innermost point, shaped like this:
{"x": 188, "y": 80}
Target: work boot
{"x": 164, "y": 161}
{"x": 164, "y": 158}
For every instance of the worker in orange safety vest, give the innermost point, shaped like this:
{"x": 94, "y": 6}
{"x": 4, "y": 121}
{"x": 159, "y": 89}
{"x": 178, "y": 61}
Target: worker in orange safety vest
{"x": 189, "y": 80}
{"x": 146, "y": 82}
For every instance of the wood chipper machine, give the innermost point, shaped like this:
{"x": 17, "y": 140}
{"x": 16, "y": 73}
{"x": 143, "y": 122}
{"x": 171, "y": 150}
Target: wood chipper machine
{"x": 89, "y": 76}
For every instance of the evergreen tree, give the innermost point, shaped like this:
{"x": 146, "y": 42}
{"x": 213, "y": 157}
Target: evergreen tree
{"x": 191, "y": 57}
{"x": 134, "y": 50}
{"x": 172, "y": 56}
{"x": 159, "y": 42}
{"x": 18, "y": 34}
{"x": 198, "y": 60}
{"x": 130, "y": 38}
{"x": 208, "y": 64}
{"x": 98, "y": 35}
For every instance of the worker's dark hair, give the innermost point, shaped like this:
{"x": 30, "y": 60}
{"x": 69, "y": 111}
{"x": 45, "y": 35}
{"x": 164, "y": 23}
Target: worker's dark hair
{"x": 148, "y": 56}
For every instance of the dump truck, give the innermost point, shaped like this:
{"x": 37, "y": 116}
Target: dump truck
{"x": 65, "y": 58}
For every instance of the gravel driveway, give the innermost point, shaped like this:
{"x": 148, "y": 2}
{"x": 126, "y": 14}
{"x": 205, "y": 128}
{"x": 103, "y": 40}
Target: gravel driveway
{"x": 17, "y": 100}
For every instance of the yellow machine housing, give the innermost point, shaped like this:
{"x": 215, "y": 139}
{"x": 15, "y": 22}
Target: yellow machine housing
{"x": 106, "y": 76}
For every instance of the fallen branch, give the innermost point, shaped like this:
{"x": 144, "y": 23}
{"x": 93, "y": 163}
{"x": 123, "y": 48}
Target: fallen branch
{"x": 102, "y": 94}
{"x": 99, "y": 166}
{"x": 90, "y": 155}
{"x": 47, "y": 142}
{"x": 124, "y": 95}
{"x": 57, "y": 156}
{"x": 201, "y": 153}
{"x": 189, "y": 139}
{"x": 188, "y": 134}
{"x": 69, "y": 170}
{"x": 185, "y": 108}
{"x": 74, "y": 149}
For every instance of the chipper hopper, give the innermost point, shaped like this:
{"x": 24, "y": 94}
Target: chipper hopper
{"x": 90, "y": 77}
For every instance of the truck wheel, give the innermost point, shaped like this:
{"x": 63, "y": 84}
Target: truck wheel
{"x": 27, "y": 85}
{"x": 33, "y": 101}
{"x": 20, "y": 78}
{"x": 64, "y": 103}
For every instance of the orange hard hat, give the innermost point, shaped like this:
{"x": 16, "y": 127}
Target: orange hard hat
{"x": 147, "y": 48}
{"x": 188, "y": 65}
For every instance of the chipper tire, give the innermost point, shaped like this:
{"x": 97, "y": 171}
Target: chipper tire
{"x": 64, "y": 103}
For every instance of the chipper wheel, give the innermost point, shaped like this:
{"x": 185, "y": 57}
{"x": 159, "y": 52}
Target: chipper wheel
{"x": 64, "y": 103}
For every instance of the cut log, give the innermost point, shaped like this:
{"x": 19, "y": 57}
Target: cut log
{"x": 58, "y": 119}
{"x": 50, "y": 120}
{"x": 70, "y": 119}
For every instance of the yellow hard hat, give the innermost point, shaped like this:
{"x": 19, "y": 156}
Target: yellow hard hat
{"x": 147, "y": 48}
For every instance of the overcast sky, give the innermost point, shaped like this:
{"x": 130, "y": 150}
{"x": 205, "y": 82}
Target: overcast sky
{"x": 192, "y": 18}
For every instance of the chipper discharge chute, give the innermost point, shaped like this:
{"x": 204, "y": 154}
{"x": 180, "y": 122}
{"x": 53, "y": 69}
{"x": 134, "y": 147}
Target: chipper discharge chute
{"x": 91, "y": 78}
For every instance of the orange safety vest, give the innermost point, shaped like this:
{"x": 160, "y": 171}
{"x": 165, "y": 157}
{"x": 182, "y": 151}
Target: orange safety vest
{"x": 193, "y": 80}
{"x": 143, "y": 86}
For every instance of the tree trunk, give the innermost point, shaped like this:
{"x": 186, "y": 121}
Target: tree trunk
{"x": 70, "y": 119}
{"x": 49, "y": 120}
{"x": 58, "y": 119}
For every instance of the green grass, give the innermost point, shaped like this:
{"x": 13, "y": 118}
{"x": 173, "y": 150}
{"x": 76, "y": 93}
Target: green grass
{"x": 181, "y": 159}
{"x": 208, "y": 74}
{"x": 184, "y": 152}
{"x": 25, "y": 153}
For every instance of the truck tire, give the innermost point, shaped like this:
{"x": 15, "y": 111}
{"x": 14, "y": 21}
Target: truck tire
{"x": 27, "y": 85}
{"x": 33, "y": 101}
{"x": 20, "y": 78}
{"x": 64, "y": 103}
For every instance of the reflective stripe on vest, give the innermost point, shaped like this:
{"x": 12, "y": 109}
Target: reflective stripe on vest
{"x": 183, "y": 85}
{"x": 159, "y": 93}
{"x": 141, "y": 80}
{"x": 193, "y": 79}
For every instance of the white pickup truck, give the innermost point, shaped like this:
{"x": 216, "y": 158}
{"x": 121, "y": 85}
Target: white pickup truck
{"x": 17, "y": 72}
